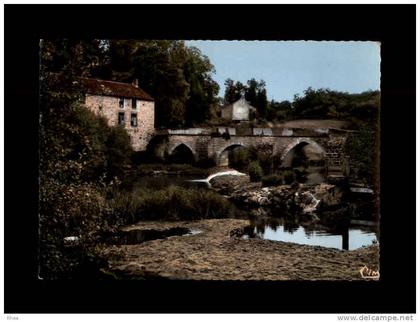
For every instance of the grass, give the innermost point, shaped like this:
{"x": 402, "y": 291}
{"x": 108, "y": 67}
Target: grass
{"x": 170, "y": 203}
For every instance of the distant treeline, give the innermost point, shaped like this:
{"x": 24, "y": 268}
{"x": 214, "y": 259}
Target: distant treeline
{"x": 314, "y": 104}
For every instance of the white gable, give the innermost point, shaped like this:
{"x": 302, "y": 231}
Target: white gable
{"x": 240, "y": 111}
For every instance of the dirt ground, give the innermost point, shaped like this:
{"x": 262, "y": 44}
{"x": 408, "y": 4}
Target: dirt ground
{"x": 217, "y": 253}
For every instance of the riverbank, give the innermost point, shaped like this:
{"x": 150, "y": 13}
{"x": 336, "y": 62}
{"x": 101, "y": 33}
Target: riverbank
{"x": 218, "y": 252}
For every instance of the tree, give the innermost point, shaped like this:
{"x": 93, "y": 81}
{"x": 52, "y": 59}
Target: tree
{"x": 254, "y": 92}
{"x": 278, "y": 111}
{"x": 233, "y": 91}
{"x": 324, "y": 103}
{"x": 78, "y": 153}
{"x": 86, "y": 58}
{"x": 177, "y": 76}
{"x": 251, "y": 91}
{"x": 203, "y": 89}
{"x": 261, "y": 103}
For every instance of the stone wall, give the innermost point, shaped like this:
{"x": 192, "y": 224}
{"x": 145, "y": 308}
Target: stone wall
{"x": 108, "y": 106}
{"x": 335, "y": 150}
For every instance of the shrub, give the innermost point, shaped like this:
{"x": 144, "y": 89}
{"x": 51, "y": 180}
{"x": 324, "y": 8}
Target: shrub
{"x": 264, "y": 154}
{"x": 68, "y": 210}
{"x": 239, "y": 158}
{"x": 272, "y": 180}
{"x": 362, "y": 149}
{"x": 170, "y": 203}
{"x": 77, "y": 152}
{"x": 255, "y": 172}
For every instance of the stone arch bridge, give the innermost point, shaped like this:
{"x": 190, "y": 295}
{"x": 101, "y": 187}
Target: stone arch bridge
{"x": 205, "y": 144}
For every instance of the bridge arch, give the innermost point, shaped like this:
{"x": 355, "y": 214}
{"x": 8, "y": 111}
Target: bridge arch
{"x": 312, "y": 147}
{"x": 182, "y": 152}
{"x": 222, "y": 155}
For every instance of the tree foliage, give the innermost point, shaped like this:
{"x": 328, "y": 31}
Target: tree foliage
{"x": 78, "y": 154}
{"x": 233, "y": 91}
{"x": 325, "y": 103}
{"x": 279, "y": 111}
{"x": 254, "y": 92}
{"x": 177, "y": 76}
{"x": 362, "y": 147}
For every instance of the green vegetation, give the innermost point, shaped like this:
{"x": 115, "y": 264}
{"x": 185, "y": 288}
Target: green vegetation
{"x": 79, "y": 154}
{"x": 254, "y": 92}
{"x": 177, "y": 76}
{"x": 314, "y": 104}
{"x": 239, "y": 158}
{"x": 170, "y": 203}
{"x": 255, "y": 171}
{"x": 327, "y": 104}
{"x": 363, "y": 151}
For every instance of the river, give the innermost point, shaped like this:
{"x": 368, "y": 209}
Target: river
{"x": 346, "y": 238}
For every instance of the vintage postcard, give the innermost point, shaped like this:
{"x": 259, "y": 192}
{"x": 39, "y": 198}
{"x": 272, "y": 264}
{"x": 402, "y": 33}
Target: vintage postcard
{"x": 209, "y": 160}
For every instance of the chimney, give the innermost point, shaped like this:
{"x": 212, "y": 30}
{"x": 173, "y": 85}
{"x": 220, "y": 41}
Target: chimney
{"x": 135, "y": 82}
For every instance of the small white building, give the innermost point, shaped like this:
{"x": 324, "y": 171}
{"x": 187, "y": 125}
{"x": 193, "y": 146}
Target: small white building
{"x": 238, "y": 111}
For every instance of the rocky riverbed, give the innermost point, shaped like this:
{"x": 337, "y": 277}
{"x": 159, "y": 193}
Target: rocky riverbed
{"x": 217, "y": 251}
{"x": 301, "y": 200}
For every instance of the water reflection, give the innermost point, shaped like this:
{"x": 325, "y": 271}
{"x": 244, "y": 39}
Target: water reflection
{"x": 345, "y": 238}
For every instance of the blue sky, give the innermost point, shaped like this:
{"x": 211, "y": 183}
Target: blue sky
{"x": 290, "y": 67}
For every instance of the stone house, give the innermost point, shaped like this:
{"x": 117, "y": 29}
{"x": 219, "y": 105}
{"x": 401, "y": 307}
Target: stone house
{"x": 238, "y": 111}
{"x": 122, "y": 104}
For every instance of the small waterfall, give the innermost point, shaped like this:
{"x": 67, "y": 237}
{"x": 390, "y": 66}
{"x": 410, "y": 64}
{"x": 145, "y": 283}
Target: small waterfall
{"x": 225, "y": 173}
{"x": 219, "y": 174}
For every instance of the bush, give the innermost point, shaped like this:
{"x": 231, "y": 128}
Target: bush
{"x": 255, "y": 172}
{"x": 239, "y": 158}
{"x": 272, "y": 180}
{"x": 170, "y": 203}
{"x": 78, "y": 151}
{"x": 363, "y": 151}
{"x": 289, "y": 177}
{"x": 68, "y": 210}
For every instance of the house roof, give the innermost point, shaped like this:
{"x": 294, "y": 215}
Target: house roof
{"x": 110, "y": 88}
{"x": 99, "y": 86}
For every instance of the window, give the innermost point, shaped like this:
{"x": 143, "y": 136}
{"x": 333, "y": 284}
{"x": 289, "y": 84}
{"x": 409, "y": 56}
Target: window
{"x": 134, "y": 103}
{"x": 133, "y": 119}
{"x": 121, "y": 102}
{"x": 121, "y": 120}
